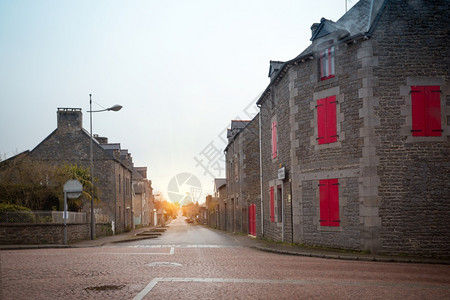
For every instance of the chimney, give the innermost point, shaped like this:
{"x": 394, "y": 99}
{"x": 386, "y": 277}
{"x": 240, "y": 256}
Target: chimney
{"x": 101, "y": 139}
{"x": 70, "y": 119}
{"x": 314, "y": 28}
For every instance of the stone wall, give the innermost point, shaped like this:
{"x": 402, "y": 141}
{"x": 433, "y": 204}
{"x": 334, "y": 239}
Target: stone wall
{"x": 276, "y": 108}
{"x": 31, "y": 234}
{"x": 412, "y": 48}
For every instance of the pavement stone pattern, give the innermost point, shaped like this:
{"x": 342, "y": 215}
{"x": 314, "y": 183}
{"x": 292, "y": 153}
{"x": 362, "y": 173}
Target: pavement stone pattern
{"x": 208, "y": 273}
{"x": 122, "y": 267}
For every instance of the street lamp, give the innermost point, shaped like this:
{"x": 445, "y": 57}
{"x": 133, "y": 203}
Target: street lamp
{"x": 112, "y": 108}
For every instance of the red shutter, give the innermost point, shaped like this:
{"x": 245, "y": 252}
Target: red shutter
{"x": 321, "y": 121}
{"x": 329, "y": 202}
{"x": 426, "y": 111}
{"x": 324, "y": 203}
{"x": 418, "y": 108}
{"x": 331, "y": 134}
{"x": 326, "y": 120}
{"x": 434, "y": 111}
{"x": 274, "y": 139}
{"x": 272, "y": 205}
{"x": 250, "y": 230}
{"x": 333, "y": 190}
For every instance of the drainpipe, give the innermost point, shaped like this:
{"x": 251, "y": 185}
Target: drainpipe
{"x": 261, "y": 170}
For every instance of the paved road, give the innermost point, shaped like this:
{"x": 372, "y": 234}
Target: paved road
{"x": 181, "y": 233}
{"x": 192, "y": 262}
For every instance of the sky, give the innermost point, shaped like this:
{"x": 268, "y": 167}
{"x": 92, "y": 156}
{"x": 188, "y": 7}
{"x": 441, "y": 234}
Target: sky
{"x": 182, "y": 70}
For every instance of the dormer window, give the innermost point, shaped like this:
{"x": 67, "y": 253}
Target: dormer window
{"x": 327, "y": 69}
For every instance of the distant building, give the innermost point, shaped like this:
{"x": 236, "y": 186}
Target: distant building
{"x": 143, "y": 199}
{"x": 242, "y": 174}
{"x": 69, "y": 143}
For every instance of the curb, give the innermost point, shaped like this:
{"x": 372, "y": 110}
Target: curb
{"x": 351, "y": 257}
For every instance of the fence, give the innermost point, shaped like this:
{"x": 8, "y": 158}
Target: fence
{"x": 42, "y": 217}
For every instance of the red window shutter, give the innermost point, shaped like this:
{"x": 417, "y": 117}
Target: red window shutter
{"x": 333, "y": 190}
{"x": 331, "y": 133}
{"x": 250, "y": 221}
{"x": 321, "y": 121}
{"x": 426, "y": 111}
{"x": 418, "y": 108}
{"x": 274, "y": 140}
{"x": 324, "y": 203}
{"x": 434, "y": 111}
{"x": 326, "y": 120}
{"x": 272, "y": 204}
{"x": 329, "y": 202}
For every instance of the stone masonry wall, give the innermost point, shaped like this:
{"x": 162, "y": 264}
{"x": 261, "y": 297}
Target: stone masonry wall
{"x": 276, "y": 108}
{"x": 29, "y": 234}
{"x": 411, "y": 43}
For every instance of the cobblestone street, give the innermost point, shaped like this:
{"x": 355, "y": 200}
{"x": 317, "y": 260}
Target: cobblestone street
{"x": 166, "y": 269}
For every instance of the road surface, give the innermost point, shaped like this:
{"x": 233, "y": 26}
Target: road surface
{"x": 193, "y": 262}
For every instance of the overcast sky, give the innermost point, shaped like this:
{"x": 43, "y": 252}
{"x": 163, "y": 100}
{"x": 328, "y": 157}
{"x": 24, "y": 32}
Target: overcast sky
{"x": 181, "y": 69}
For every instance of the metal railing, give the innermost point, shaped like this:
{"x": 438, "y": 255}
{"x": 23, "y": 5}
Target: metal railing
{"x": 42, "y": 217}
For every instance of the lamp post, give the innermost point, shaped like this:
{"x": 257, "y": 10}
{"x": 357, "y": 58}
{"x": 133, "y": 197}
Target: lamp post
{"x": 112, "y": 108}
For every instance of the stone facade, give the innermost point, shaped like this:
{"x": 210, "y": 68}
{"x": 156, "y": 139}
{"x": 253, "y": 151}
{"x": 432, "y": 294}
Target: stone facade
{"x": 143, "y": 199}
{"x": 70, "y": 144}
{"x": 393, "y": 186}
{"x": 242, "y": 170}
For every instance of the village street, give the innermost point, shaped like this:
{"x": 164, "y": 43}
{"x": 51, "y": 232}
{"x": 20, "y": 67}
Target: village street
{"x": 194, "y": 262}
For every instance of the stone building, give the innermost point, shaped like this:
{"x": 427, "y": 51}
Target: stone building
{"x": 69, "y": 143}
{"x": 242, "y": 174}
{"x": 355, "y": 133}
{"x": 144, "y": 210}
{"x": 216, "y": 205}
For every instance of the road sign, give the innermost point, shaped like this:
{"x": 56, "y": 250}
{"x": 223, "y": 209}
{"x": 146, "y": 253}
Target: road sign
{"x": 73, "y": 189}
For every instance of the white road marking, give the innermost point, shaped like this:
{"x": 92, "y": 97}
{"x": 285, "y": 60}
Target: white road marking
{"x": 155, "y": 281}
{"x": 171, "y": 252}
{"x": 163, "y": 263}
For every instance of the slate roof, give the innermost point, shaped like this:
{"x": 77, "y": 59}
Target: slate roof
{"x": 360, "y": 20}
{"x": 219, "y": 182}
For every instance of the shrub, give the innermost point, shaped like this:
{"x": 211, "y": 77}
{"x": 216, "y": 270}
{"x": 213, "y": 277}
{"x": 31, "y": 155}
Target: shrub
{"x": 12, "y": 213}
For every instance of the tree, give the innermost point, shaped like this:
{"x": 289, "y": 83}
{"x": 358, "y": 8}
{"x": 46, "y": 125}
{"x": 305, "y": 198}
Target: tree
{"x": 39, "y": 186}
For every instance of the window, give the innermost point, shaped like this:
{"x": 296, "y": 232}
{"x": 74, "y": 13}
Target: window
{"x": 326, "y": 120}
{"x": 272, "y": 204}
{"x": 120, "y": 184}
{"x": 426, "y": 111}
{"x": 274, "y": 139}
{"x": 329, "y": 202}
{"x": 327, "y": 63}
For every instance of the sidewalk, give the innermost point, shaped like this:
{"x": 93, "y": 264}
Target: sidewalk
{"x": 252, "y": 242}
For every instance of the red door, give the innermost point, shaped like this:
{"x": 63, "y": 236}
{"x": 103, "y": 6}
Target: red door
{"x": 252, "y": 219}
